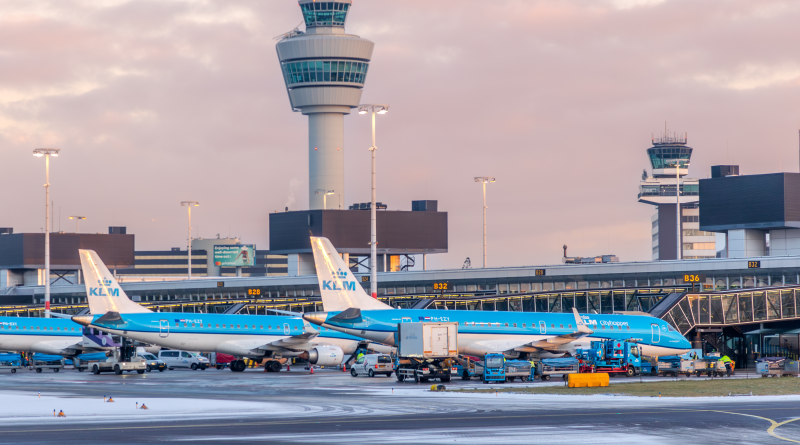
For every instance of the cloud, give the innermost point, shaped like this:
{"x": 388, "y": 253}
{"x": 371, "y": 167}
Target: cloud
{"x": 154, "y": 102}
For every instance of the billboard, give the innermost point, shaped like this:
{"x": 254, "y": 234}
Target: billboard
{"x": 235, "y": 255}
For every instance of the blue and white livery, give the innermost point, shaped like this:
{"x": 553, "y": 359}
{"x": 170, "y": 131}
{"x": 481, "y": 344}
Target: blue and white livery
{"x": 351, "y": 310}
{"x": 255, "y": 336}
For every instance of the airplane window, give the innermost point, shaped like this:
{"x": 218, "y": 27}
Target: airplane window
{"x": 24, "y": 326}
{"x": 561, "y": 326}
{"x": 260, "y": 327}
{"x": 254, "y": 326}
{"x": 58, "y": 329}
{"x": 177, "y": 324}
{"x": 270, "y": 326}
{"x": 184, "y": 325}
{"x": 192, "y": 324}
{"x": 523, "y": 324}
{"x": 37, "y": 328}
{"x": 51, "y": 328}
{"x": 245, "y": 326}
{"x": 507, "y": 323}
{"x": 629, "y": 328}
{"x": 552, "y": 325}
{"x": 237, "y": 326}
{"x": 604, "y": 326}
{"x": 515, "y": 325}
{"x": 296, "y": 326}
{"x": 218, "y": 325}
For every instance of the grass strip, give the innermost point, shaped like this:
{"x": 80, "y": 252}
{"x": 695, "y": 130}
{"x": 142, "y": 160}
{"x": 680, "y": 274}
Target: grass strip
{"x": 683, "y": 388}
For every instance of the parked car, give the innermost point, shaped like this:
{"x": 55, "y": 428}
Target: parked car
{"x": 183, "y": 359}
{"x": 153, "y": 363}
{"x": 372, "y": 364}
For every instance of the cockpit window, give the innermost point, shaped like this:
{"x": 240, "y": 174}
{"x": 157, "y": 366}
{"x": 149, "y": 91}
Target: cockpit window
{"x": 670, "y": 328}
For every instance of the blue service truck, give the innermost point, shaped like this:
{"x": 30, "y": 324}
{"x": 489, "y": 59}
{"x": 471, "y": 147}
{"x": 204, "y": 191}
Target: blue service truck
{"x": 611, "y": 356}
{"x": 496, "y": 368}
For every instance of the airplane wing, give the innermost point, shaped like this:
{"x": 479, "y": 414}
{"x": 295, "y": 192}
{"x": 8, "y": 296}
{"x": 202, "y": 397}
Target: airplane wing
{"x": 56, "y": 347}
{"x": 300, "y": 342}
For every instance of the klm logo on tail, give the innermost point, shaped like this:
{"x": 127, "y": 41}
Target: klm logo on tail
{"x": 342, "y": 275}
{"x": 100, "y": 291}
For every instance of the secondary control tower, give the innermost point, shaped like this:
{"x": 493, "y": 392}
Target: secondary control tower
{"x": 324, "y": 70}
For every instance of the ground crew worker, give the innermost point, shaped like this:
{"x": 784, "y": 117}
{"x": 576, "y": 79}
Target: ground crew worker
{"x": 727, "y": 361}
{"x": 360, "y": 355}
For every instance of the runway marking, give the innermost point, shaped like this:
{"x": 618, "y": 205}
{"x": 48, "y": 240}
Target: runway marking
{"x": 381, "y": 418}
{"x": 773, "y": 426}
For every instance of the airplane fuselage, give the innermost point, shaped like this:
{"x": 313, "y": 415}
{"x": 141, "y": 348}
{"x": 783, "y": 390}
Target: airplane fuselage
{"x": 477, "y": 329}
{"x": 44, "y": 335}
{"x": 231, "y": 334}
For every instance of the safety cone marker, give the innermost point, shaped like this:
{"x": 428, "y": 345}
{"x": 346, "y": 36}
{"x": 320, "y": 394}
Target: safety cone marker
{"x": 144, "y": 406}
{"x": 54, "y": 413}
{"x": 137, "y": 405}
{"x": 110, "y": 400}
{"x": 61, "y": 414}
{"x": 40, "y": 394}
{"x": 344, "y": 367}
{"x": 288, "y": 367}
{"x": 311, "y": 368}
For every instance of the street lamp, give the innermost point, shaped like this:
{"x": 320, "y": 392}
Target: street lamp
{"x": 189, "y": 205}
{"x": 677, "y": 163}
{"x": 325, "y": 194}
{"x": 77, "y": 222}
{"x": 46, "y": 152}
{"x": 373, "y": 242}
{"x": 484, "y": 180}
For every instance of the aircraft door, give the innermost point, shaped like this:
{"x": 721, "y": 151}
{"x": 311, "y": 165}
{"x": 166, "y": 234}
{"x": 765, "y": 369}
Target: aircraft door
{"x": 286, "y": 330}
{"x": 655, "y": 333}
{"x": 542, "y": 328}
{"x": 163, "y": 328}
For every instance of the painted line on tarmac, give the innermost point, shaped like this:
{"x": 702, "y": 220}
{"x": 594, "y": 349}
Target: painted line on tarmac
{"x": 382, "y": 418}
{"x": 773, "y": 425}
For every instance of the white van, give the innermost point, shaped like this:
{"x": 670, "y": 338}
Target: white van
{"x": 183, "y": 359}
{"x": 372, "y": 364}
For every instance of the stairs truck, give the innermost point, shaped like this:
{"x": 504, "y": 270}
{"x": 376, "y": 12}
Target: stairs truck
{"x": 426, "y": 351}
{"x": 611, "y": 356}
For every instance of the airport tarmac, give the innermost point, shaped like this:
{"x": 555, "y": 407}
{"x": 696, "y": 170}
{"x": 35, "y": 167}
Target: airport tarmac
{"x": 332, "y": 406}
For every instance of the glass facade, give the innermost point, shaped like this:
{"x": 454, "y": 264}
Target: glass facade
{"x": 324, "y": 13}
{"x": 665, "y": 156}
{"x": 314, "y": 71}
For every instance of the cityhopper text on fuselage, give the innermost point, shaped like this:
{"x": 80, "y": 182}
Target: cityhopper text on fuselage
{"x": 352, "y": 311}
{"x": 275, "y": 337}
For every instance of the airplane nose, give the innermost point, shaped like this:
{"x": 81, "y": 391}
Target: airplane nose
{"x": 84, "y": 320}
{"x": 317, "y": 318}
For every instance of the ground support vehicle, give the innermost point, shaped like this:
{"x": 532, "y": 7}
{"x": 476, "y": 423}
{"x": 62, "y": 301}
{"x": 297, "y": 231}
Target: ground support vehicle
{"x": 494, "y": 368}
{"x": 11, "y": 362}
{"x": 611, "y": 356}
{"x": 426, "y": 351}
{"x": 710, "y": 366}
{"x": 183, "y": 359}
{"x": 469, "y": 367}
{"x": 559, "y": 366}
{"x": 675, "y": 366}
{"x": 152, "y": 362}
{"x": 40, "y": 362}
{"x": 777, "y": 367}
{"x": 122, "y": 359}
{"x": 372, "y": 365}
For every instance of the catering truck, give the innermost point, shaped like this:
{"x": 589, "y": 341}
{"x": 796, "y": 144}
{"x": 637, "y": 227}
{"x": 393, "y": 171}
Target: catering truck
{"x": 426, "y": 351}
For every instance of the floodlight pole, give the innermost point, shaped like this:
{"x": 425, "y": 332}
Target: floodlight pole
{"x": 483, "y": 180}
{"x": 373, "y": 241}
{"x": 46, "y": 152}
{"x": 189, "y": 205}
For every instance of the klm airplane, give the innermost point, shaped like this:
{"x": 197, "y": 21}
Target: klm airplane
{"x": 253, "y": 336}
{"x": 44, "y": 335}
{"x": 350, "y": 310}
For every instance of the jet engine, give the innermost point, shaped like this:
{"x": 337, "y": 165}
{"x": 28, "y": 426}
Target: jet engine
{"x": 326, "y": 355}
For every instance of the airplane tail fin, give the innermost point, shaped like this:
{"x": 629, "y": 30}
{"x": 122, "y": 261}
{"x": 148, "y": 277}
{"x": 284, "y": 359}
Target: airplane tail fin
{"x": 339, "y": 288}
{"x": 102, "y": 289}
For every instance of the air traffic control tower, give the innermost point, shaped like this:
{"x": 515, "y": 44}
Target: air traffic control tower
{"x": 324, "y": 70}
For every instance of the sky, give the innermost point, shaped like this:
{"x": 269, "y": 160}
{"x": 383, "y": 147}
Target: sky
{"x": 157, "y": 102}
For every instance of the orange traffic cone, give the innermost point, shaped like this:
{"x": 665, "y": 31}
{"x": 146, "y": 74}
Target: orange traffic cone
{"x": 311, "y": 368}
{"x": 288, "y": 367}
{"x": 344, "y": 367}
{"x": 144, "y": 406}
{"x": 61, "y": 414}
{"x": 109, "y": 400}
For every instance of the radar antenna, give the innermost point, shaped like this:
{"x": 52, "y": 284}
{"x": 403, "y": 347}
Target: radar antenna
{"x": 288, "y": 35}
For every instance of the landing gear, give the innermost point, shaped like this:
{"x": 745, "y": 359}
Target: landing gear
{"x": 238, "y": 366}
{"x": 274, "y": 366}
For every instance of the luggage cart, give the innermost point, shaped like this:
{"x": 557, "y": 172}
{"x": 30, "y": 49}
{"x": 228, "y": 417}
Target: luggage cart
{"x": 10, "y": 362}
{"x": 43, "y": 361}
{"x": 563, "y": 369}
{"x": 777, "y": 367}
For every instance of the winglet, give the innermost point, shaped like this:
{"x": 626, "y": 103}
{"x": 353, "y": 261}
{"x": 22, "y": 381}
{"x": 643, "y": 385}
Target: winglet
{"x": 582, "y": 328}
{"x": 102, "y": 290}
